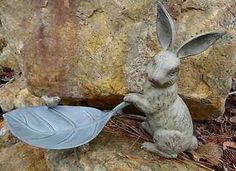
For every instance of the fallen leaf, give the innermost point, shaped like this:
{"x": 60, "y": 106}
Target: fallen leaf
{"x": 229, "y": 144}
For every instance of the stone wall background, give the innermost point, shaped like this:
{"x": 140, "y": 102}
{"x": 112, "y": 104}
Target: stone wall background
{"x": 96, "y": 50}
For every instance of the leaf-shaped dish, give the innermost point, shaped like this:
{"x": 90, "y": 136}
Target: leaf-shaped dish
{"x": 60, "y": 127}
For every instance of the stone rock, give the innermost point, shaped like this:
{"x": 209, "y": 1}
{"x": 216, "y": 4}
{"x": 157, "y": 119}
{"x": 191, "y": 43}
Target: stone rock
{"x": 9, "y": 92}
{"x": 205, "y": 80}
{"x": 9, "y": 59}
{"x": 113, "y": 152}
{"x": 6, "y": 138}
{"x": 17, "y": 156}
{"x": 24, "y": 98}
{"x": 15, "y": 94}
{"x": 63, "y": 160}
{"x": 97, "y": 50}
{"x": 21, "y": 157}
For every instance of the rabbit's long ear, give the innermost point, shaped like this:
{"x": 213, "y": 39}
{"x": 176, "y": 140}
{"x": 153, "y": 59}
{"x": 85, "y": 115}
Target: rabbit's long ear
{"x": 198, "y": 44}
{"x": 165, "y": 27}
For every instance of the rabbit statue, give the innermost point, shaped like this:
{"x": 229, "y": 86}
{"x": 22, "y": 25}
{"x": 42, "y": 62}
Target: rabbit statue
{"x": 168, "y": 118}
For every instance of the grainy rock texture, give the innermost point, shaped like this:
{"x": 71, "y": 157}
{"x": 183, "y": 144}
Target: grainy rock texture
{"x": 18, "y": 156}
{"x": 98, "y": 49}
{"x": 15, "y": 95}
{"x": 9, "y": 92}
{"x": 113, "y": 152}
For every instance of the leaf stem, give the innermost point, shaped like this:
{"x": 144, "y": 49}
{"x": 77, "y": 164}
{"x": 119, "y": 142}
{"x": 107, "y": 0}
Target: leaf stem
{"x": 119, "y": 107}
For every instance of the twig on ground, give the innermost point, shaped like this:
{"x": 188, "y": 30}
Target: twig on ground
{"x": 231, "y": 93}
{"x": 134, "y": 143}
{"x": 134, "y": 117}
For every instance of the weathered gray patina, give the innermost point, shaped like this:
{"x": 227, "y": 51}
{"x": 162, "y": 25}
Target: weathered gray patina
{"x": 168, "y": 118}
{"x": 58, "y": 127}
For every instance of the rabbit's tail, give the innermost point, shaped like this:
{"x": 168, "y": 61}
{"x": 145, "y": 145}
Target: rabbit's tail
{"x": 194, "y": 143}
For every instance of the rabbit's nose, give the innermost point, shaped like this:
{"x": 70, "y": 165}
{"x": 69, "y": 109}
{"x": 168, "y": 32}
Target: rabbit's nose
{"x": 154, "y": 80}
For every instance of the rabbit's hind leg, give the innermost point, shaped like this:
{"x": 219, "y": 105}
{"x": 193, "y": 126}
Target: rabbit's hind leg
{"x": 148, "y": 146}
{"x": 171, "y": 142}
{"x": 146, "y": 127}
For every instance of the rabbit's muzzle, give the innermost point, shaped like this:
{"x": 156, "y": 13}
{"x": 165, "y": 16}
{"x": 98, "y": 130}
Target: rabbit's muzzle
{"x": 155, "y": 82}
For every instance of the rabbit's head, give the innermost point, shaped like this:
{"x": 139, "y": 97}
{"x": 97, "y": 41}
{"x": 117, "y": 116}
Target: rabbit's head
{"x": 163, "y": 70}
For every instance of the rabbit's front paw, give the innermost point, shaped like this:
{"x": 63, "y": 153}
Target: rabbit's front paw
{"x": 148, "y": 146}
{"x": 130, "y": 97}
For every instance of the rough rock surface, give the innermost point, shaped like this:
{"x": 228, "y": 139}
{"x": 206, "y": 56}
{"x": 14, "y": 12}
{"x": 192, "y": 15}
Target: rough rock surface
{"x": 98, "y": 49}
{"x": 15, "y": 94}
{"x": 17, "y": 156}
{"x": 9, "y": 92}
{"x": 113, "y": 152}
{"x": 21, "y": 157}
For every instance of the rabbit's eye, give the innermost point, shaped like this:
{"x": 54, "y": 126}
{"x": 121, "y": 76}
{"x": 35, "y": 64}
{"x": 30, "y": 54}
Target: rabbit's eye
{"x": 173, "y": 71}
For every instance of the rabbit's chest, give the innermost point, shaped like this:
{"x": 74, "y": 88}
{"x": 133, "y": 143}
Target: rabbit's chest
{"x": 161, "y": 98}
